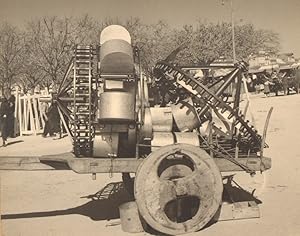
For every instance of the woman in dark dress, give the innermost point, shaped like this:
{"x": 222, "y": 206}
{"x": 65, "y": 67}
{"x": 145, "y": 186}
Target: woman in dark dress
{"x": 52, "y": 124}
{"x": 4, "y": 120}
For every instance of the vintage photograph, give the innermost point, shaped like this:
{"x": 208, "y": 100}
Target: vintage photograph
{"x": 149, "y": 117}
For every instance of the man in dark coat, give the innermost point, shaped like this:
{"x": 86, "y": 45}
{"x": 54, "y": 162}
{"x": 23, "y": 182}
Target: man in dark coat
{"x": 4, "y": 116}
{"x": 52, "y": 124}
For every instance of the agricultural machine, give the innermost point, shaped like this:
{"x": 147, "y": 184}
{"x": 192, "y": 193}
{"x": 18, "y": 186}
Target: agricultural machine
{"x": 174, "y": 132}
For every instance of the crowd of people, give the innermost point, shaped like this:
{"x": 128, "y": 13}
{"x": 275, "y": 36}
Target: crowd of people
{"x": 274, "y": 82}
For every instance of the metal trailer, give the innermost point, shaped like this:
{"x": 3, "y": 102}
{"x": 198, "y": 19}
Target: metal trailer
{"x": 175, "y": 132}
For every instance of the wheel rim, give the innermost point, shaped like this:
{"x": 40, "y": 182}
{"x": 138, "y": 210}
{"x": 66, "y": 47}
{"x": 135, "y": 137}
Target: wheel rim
{"x": 174, "y": 177}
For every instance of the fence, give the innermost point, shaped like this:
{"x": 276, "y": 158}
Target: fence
{"x": 29, "y": 115}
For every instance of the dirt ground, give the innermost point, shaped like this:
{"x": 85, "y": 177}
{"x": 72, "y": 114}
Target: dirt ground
{"x": 50, "y": 202}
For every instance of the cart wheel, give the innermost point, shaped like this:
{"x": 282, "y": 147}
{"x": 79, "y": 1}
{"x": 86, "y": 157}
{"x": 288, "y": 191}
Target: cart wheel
{"x": 178, "y": 189}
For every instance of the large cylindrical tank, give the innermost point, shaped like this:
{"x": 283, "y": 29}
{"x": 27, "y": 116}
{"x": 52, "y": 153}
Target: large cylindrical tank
{"x": 117, "y": 106}
{"x": 116, "y": 56}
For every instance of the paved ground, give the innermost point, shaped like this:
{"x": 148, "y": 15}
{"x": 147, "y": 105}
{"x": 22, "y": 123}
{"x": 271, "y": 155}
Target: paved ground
{"x": 50, "y": 203}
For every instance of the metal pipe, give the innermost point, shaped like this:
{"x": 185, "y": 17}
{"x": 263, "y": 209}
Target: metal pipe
{"x": 232, "y": 31}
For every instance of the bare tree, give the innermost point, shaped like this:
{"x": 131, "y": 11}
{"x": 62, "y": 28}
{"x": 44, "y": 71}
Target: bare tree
{"x": 40, "y": 55}
{"x": 155, "y": 41}
{"x": 32, "y": 74}
{"x": 11, "y": 48}
{"x": 51, "y": 41}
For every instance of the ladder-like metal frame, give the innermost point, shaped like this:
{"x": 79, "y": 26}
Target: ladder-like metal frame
{"x": 83, "y": 108}
{"x": 178, "y": 77}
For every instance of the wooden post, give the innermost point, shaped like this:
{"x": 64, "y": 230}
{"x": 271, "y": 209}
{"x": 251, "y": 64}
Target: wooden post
{"x": 26, "y": 112}
{"x": 265, "y": 132}
{"x": 41, "y": 114}
{"x": 20, "y": 118}
{"x": 32, "y": 123}
{"x": 15, "y": 131}
{"x": 65, "y": 125}
{"x": 36, "y": 114}
{"x": 248, "y": 100}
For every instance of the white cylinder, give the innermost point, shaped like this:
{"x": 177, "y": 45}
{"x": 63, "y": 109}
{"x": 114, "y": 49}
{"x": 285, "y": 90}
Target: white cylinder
{"x": 185, "y": 115}
{"x": 161, "y": 139}
{"x": 162, "y": 119}
{"x": 187, "y": 138}
{"x": 114, "y": 32}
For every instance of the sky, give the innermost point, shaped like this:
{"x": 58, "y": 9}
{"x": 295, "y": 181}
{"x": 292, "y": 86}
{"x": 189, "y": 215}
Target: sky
{"x": 281, "y": 16}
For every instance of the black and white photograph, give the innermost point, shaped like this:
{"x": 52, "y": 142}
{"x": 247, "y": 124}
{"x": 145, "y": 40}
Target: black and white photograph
{"x": 149, "y": 117}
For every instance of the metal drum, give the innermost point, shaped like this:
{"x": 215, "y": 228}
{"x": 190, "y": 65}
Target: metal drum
{"x": 185, "y": 115}
{"x": 118, "y": 106}
{"x": 161, "y": 139}
{"x": 106, "y": 144}
{"x": 116, "y": 57}
{"x": 187, "y": 138}
{"x": 162, "y": 119}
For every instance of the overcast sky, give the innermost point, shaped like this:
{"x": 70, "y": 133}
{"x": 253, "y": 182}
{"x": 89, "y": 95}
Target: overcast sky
{"x": 282, "y": 16}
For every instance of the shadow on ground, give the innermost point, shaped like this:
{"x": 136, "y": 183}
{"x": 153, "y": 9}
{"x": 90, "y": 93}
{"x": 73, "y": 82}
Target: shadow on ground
{"x": 233, "y": 192}
{"x": 104, "y": 205}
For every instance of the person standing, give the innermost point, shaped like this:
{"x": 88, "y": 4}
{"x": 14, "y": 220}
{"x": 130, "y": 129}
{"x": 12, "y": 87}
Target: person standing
{"x": 11, "y": 116}
{"x": 52, "y": 123}
{"x": 267, "y": 88}
{"x": 285, "y": 85}
{"x": 4, "y": 115}
{"x": 249, "y": 83}
{"x": 275, "y": 82}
